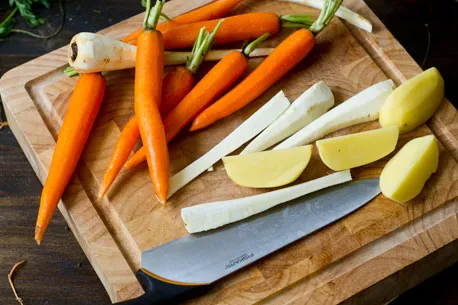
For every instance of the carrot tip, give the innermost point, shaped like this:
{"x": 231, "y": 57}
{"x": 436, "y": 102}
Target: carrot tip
{"x": 38, "y": 234}
{"x": 194, "y": 126}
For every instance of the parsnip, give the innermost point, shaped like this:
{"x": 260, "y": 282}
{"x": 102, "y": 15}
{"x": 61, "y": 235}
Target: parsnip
{"x": 242, "y": 134}
{"x": 89, "y": 52}
{"x": 212, "y": 215}
{"x": 363, "y": 107}
{"x": 414, "y": 102}
{"x": 310, "y": 105}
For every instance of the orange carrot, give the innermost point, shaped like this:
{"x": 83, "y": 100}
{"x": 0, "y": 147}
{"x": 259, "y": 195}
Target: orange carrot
{"x": 235, "y": 28}
{"x": 210, "y": 11}
{"x": 149, "y": 68}
{"x": 83, "y": 108}
{"x": 214, "y": 83}
{"x": 125, "y": 144}
{"x": 138, "y": 158}
{"x": 285, "y": 57}
{"x": 175, "y": 86}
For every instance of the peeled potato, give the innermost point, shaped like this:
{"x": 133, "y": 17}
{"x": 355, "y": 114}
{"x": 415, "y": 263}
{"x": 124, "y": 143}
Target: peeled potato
{"x": 405, "y": 174}
{"x": 353, "y": 150}
{"x": 268, "y": 168}
{"x": 414, "y": 102}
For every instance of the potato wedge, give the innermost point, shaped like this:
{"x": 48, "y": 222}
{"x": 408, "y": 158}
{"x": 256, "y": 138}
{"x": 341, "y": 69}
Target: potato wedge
{"x": 357, "y": 149}
{"x": 414, "y": 102}
{"x": 405, "y": 174}
{"x": 268, "y": 168}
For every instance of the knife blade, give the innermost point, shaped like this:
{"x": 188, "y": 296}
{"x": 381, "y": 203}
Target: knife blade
{"x": 200, "y": 259}
{"x": 203, "y": 258}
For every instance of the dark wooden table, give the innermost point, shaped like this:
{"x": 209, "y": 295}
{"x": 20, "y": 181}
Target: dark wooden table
{"x": 58, "y": 273}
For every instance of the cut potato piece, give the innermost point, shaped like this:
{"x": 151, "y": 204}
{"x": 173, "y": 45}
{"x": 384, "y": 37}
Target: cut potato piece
{"x": 405, "y": 174}
{"x": 357, "y": 149}
{"x": 268, "y": 168}
{"x": 256, "y": 123}
{"x": 414, "y": 102}
{"x": 207, "y": 216}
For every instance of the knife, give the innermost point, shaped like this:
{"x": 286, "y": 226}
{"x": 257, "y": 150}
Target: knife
{"x": 186, "y": 267}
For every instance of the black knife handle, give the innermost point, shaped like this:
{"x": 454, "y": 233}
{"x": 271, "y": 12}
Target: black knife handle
{"x": 160, "y": 293}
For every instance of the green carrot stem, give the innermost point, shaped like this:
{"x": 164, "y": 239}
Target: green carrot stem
{"x": 254, "y": 44}
{"x": 296, "y": 20}
{"x": 203, "y": 44}
{"x": 152, "y": 14}
{"x": 70, "y": 72}
{"x": 328, "y": 11}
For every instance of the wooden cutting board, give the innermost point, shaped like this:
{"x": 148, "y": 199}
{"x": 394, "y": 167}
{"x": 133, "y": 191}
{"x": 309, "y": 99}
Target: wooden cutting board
{"x": 328, "y": 267}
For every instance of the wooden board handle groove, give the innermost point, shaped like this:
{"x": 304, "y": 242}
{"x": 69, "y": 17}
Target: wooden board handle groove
{"x": 161, "y": 293}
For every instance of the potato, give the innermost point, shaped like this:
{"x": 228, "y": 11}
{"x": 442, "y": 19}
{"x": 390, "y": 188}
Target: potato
{"x": 357, "y": 149}
{"x": 405, "y": 174}
{"x": 414, "y": 102}
{"x": 268, "y": 168}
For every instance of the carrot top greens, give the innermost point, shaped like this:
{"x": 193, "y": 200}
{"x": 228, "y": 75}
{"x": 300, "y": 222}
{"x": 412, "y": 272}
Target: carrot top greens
{"x": 25, "y": 9}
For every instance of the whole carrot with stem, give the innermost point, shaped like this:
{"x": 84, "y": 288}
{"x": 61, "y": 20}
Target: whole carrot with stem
{"x": 175, "y": 86}
{"x": 210, "y": 11}
{"x": 285, "y": 56}
{"x": 235, "y": 28}
{"x": 214, "y": 83}
{"x": 77, "y": 124}
{"x": 147, "y": 99}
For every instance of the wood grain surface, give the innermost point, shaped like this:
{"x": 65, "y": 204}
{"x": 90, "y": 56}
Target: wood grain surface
{"x": 51, "y": 106}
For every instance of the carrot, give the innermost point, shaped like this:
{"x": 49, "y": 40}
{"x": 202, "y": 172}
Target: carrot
{"x": 285, "y": 56}
{"x": 83, "y": 108}
{"x": 211, "y": 11}
{"x": 214, "y": 83}
{"x": 149, "y": 68}
{"x": 124, "y": 145}
{"x": 138, "y": 158}
{"x": 175, "y": 86}
{"x": 235, "y": 28}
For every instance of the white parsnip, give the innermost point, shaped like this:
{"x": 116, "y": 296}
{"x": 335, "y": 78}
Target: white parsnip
{"x": 242, "y": 134}
{"x": 306, "y": 108}
{"x": 212, "y": 215}
{"x": 363, "y": 107}
{"x": 89, "y": 52}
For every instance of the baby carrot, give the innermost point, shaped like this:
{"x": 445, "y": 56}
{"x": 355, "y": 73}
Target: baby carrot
{"x": 80, "y": 116}
{"x": 214, "y": 83}
{"x": 210, "y": 11}
{"x": 175, "y": 86}
{"x": 235, "y": 28}
{"x": 126, "y": 142}
{"x": 285, "y": 56}
{"x": 149, "y": 68}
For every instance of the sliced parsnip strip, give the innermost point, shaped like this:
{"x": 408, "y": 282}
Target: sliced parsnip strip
{"x": 242, "y": 134}
{"x": 212, "y": 215}
{"x": 363, "y": 107}
{"x": 89, "y": 52}
{"x": 342, "y": 12}
{"x": 310, "y": 105}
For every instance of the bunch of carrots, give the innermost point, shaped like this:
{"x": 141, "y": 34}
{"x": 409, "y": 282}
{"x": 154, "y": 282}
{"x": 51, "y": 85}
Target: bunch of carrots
{"x": 164, "y": 107}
